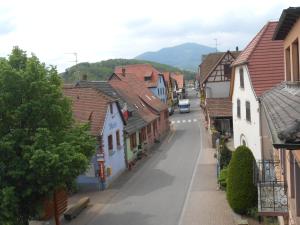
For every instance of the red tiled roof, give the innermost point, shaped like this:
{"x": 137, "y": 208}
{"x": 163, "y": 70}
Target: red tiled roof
{"x": 88, "y": 105}
{"x": 139, "y": 88}
{"x": 179, "y": 79}
{"x": 125, "y": 90}
{"x": 141, "y": 71}
{"x": 264, "y": 58}
{"x": 219, "y": 107}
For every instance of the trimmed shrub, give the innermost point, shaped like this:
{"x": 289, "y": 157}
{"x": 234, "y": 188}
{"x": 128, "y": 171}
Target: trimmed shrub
{"x": 223, "y": 178}
{"x": 241, "y": 192}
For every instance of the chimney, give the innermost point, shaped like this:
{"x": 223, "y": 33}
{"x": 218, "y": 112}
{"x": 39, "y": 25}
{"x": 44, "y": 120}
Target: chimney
{"x": 123, "y": 71}
{"x": 84, "y": 77}
{"x": 237, "y": 48}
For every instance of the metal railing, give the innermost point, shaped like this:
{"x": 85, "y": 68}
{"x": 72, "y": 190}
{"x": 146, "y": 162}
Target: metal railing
{"x": 272, "y": 190}
{"x": 272, "y": 197}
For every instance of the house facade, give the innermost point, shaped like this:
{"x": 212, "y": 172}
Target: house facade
{"x": 279, "y": 180}
{"x": 180, "y": 84}
{"x": 257, "y": 69}
{"x": 215, "y": 76}
{"x": 135, "y": 128}
{"x": 104, "y": 115}
{"x": 147, "y": 101}
{"x": 171, "y": 85}
{"x": 150, "y": 76}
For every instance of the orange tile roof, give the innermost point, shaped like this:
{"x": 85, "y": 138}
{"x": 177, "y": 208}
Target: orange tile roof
{"x": 264, "y": 58}
{"x": 141, "y": 71}
{"x": 219, "y": 107}
{"x": 125, "y": 90}
{"x": 179, "y": 79}
{"x": 89, "y": 106}
{"x": 139, "y": 88}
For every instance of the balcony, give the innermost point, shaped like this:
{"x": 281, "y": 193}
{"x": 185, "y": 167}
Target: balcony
{"x": 272, "y": 190}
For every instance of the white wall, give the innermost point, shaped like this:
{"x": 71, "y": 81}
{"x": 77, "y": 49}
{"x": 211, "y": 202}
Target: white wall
{"x": 241, "y": 127}
{"x": 116, "y": 161}
{"x": 217, "y": 89}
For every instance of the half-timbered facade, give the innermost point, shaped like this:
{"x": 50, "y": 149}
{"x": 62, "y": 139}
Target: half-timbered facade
{"x": 215, "y": 76}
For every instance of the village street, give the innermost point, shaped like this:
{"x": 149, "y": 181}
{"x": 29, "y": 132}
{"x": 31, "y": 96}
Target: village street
{"x": 160, "y": 191}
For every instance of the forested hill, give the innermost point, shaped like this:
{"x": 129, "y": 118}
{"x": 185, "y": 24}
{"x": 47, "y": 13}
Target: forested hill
{"x": 102, "y": 70}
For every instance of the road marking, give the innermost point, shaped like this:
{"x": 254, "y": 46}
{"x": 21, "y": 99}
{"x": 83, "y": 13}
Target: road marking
{"x": 183, "y": 121}
{"x": 178, "y": 121}
{"x": 172, "y": 122}
{"x": 195, "y": 120}
{"x": 188, "y": 194}
{"x": 190, "y": 121}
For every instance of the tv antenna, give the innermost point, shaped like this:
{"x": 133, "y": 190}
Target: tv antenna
{"x": 217, "y": 44}
{"x": 75, "y": 55}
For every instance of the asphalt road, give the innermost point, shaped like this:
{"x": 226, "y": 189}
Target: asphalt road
{"x": 156, "y": 194}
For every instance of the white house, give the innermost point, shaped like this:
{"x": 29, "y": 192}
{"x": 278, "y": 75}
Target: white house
{"x": 257, "y": 69}
{"x": 107, "y": 124}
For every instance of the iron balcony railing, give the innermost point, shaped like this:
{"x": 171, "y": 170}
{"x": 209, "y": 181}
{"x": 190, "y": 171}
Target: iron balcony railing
{"x": 272, "y": 198}
{"x": 272, "y": 190}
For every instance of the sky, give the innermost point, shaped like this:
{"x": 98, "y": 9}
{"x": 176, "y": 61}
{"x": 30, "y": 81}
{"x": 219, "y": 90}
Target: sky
{"x": 103, "y": 29}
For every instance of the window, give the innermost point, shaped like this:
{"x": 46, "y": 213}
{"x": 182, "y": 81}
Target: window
{"x": 241, "y": 77}
{"x": 227, "y": 71}
{"x": 149, "y": 129}
{"x": 111, "y": 108}
{"x": 248, "y": 113}
{"x": 110, "y": 142}
{"x": 118, "y": 138}
{"x": 158, "y": 91}
{"x": 133, "y": 141}
{"x": 238, "y": 110}
{"x": 147, "y": 78}
{"x": 288, "y": 64}
{"x": 295, "y": 61}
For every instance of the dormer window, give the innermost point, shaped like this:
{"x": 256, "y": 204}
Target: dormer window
{"x": 147, "y": 78}
{"x": 241, "y": 71}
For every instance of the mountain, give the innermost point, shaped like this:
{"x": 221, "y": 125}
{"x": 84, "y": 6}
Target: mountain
{"x": 103, "y": 69}
{"x": 185, "y": 56}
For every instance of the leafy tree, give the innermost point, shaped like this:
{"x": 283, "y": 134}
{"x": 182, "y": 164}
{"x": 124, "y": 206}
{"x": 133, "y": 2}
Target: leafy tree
{"x": 41, "y": 147}
{"x": 102, "y": 70}
{"x": 241, "y": 192}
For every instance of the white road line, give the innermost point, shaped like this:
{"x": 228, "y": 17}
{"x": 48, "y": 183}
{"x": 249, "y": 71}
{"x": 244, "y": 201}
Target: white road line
{"x": 172, "y": 121}
{"x": 187, "y": 197}
{"x": 195, "y": 120}
{"x": 178, "y": 121}
{"x": 183, "y": 121}
{"x": 189, "y": 121}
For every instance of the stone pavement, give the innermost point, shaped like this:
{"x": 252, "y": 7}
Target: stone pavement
{"x": 205, "y": 204}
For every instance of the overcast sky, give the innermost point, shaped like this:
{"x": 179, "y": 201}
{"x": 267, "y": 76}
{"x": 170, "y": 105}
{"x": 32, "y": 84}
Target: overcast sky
{"x": 104, "y": 29}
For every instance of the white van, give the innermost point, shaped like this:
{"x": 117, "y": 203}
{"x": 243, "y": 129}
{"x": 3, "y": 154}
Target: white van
{"x": 184, "y": 105}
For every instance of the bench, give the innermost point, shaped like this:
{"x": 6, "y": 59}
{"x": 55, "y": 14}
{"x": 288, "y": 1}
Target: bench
{"x": 75, "y": 209}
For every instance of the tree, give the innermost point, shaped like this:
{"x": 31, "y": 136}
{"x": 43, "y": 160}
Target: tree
{"x": 241, "y": 192}
{"x": 41, "y": 147}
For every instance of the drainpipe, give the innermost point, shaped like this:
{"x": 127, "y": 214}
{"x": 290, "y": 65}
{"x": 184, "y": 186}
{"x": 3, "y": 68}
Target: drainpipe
{"x": 260, "y": 128}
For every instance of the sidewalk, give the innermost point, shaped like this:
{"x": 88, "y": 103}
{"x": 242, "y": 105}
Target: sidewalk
{"x": 100, "y": 199}
{"x": 206, "y": 205}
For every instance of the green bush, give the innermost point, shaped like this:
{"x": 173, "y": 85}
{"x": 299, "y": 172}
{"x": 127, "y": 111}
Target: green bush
{"x": 241, "y": 192}
{"x": 223, "y": 178}
{"x": 225, "y": 154}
